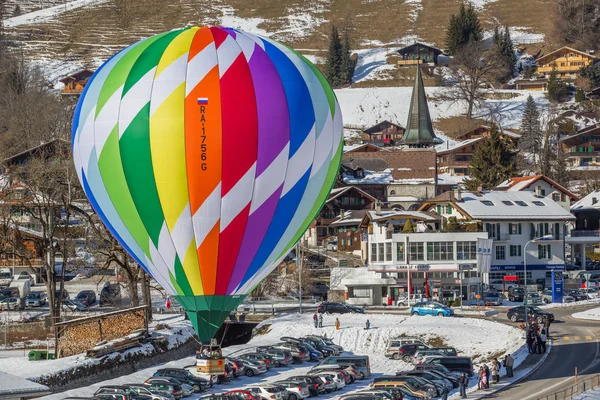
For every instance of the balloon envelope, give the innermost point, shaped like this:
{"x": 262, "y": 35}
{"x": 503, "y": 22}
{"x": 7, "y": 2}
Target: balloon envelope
{"x": 207, "y": 152}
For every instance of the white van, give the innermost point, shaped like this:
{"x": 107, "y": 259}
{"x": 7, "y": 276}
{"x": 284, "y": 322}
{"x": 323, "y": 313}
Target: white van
{"x": 23, "y": 286}
{"x": 5, "y": 276}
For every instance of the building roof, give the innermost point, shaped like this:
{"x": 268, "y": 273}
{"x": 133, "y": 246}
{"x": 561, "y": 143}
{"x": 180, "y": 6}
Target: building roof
{"x": 351, "y": 218}
{"x": 370, "y": 164}
{"x": 500, "y": 205}
{"x": 359, "y": 148}
{"x": 381, "y": 126}
{"x": 450, "y": 180}
{"x": 335, "y": 193}
{"x": 524, "y": 182}
{"x": 74, "y": 76}
{"x": 12, "y": 386}
{"x": 589, "y": 202}
{"x": 459, "y": 145}
{"x": 539, "y": 60}
{"x": 410, "y": 47}
{"x": 45, "y": 149}
{"x": 585, "y": 130}
{"x": 419, "y": 130}
{"x": 385, "y": 215}
{"x": 369, "y": 178}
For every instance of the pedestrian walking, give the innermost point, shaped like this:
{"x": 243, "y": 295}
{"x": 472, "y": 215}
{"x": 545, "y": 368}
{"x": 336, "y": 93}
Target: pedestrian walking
{"x": 508, "y": 363}
{"x": 480, "y": 377}
{"x": 337, "y": 324}
{"x": 538, "y": 344}
{"x": 529, "y": 341}
{"x": 367, "y": 324}
{"x": 320, "y": 320}
{"x": 463, "y": 382}
{"x": 316, "y": 320}
{"x": 496, "y": 371}
{"x": 547, "y": 326}
{"x": 484, "y": 381}
{"x": 543, "y": 339}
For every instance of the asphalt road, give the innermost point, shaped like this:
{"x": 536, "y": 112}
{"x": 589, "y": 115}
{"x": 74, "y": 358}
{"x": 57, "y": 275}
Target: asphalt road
{"x": 574, "y": 345}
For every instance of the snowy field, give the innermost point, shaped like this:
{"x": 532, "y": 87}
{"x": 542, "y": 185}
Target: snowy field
{"x": 589, "y": 395}
{"x": 591, "y": 314}
{"x": 476, "y": 338}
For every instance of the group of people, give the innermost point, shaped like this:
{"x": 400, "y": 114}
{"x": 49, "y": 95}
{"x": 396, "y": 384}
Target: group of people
{"x": 537, "y": 336}
{"x": 318, "y": 321}
{"x": 486, "y": 374}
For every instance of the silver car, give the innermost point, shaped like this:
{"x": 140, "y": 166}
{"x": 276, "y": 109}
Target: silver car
{"x": 298, "y": 390}
{"x": 547, "y": 297}
{"x": 328, "y": 382}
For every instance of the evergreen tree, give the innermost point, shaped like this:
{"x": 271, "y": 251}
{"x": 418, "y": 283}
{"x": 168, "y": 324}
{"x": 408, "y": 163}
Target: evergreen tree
{"x": 333, "y": 64}
{"x": 508, "y": 51}
{"x": 463, "y": 28}
{"x": 557, "y": 88}
{"x": 408, "y": 227}
{"x": 493, "y": 162}
{"x": 579, "y": 95}
{"x": 530, "y": 128}
{"x": 497, "y": 38}
{"x": 17, "y": 11}
{"x": 346, "y": 64}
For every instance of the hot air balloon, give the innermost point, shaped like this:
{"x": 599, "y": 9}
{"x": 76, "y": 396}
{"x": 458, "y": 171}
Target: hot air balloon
{"x": 207, "y": 152}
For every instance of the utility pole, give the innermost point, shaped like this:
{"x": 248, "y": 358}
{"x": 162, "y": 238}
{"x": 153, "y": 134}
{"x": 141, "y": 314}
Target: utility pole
{"x": 299, "y": 266}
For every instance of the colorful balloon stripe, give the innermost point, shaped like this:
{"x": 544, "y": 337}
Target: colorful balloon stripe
{"x": 207, "y": 152}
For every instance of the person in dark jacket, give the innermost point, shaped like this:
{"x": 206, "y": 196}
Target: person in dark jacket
{"x": 529, "y": 342}
{"x": 508, "y": 364}
{"x": 487, "y": 375}
{"x": 463, "y": 382}
{"x": 547, "y": 326}
{"x": 316, "y": 319}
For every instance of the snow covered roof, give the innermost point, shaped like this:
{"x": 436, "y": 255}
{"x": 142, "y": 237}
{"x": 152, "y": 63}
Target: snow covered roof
{"x": 459, "y": 145}
{"x": 588, "y": 202}
{"x": 370, "y": 178}
{"x": 451, "y": 180}
{"x": 365, "y": 146}
{"x": 372, "y": 164}
{"x": 351, "y": 217}
{"x": 339, "y": 191}
{"x": 18, "y": 387}
{"x": 385, "y": 215}
{"x": 566, "y": 48}
{"x": 524, "y": 182}
{"x": 499, "y": 205}
{"x": 402, "y": 198}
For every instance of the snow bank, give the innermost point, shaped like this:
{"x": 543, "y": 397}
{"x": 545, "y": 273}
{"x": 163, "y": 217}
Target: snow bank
{"x": 48, "y": 14}
{"x": 592, "y": 314}
{"x": 589, "y": 395}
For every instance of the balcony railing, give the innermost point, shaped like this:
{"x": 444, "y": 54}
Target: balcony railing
{"x": 560, "y": 70}
{"x": 410, "y": 62}
{"x": 583, "y": 233}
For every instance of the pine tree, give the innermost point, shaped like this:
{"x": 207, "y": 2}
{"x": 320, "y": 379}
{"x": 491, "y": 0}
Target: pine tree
{"x": 346, "y": 64}
{"x": 497, "y": 38}
{"x": 453, "y": 35}
{"x": 557, "y": 88}
{"x": 463, "y": 28}
{"x": 333, "y": 65}
{"x": 530, "y": 128}
{"x": 471, "y": 25}
{"x": 508, "y": 51}
{"x": 493, "y": 162}
{"x": 579, "y": 95}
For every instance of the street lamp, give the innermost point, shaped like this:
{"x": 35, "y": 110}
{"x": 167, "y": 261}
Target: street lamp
{"x": 534, "y": 240}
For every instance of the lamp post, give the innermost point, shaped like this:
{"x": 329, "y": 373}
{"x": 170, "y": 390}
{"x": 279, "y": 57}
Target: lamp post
{"x": 534, "y": 240}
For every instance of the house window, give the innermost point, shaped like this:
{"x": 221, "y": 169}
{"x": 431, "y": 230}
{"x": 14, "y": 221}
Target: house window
{"x": 361, "y": 293}
{"x": 388, "y": 251}
{"x": 493, "y": 230}
{"x": 399, "y": 251}
{"x": 440, "y": 250}
{"x": 373, "y": 252}
{"x": 514, "y": 229}
{"x": 380, "y": 254}
{"x": 360, "y": 173}
{"x": 556, "y": 197}
{"x": 563, "y": 197}
{"x": 501, "y": 252}
{"x": 392, "y": 192}
{"x": 416, "y": 251}
{"x": 515, "y": 250}
{"x": 466, "y": 250}
{"x": 544, "y": 251}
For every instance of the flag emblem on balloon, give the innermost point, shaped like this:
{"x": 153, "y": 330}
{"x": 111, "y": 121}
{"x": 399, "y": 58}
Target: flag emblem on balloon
{"x": 208, "y": 200}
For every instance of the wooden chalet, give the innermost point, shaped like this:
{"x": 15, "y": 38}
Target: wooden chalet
{"x": 484, "y": 131}
{"x": 419, "y": 53}
{"x": 384, "y": 133}
{"x": 538, "y": 85}
{"x": 455, "y": 160}
{"x": 566, "y": 60}
{"x": 75, "y": 83}
{"x": 583, "y": 147}
{"x": 363, "y": 148}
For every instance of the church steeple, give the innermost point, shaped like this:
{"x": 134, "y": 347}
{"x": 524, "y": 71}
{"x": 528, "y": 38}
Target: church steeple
{"x": 419, "y": 131}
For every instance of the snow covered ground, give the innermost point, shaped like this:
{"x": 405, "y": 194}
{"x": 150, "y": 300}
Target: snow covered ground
{"x": 589, "y": 395}
{"x": 48, "y": 14}
{"x": 477, "y": 338}
{"x": 592, "y": 314}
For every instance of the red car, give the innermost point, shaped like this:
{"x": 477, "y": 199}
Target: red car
{"x": 245, "y": 394}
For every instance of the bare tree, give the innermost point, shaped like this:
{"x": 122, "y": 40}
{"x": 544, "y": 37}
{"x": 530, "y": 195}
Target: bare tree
{"x": 473, "y": 70}
{"x": 577, "y": 22}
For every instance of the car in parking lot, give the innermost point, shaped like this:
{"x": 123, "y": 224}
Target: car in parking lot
{"x": 266, "y": 392}
{"x": 7, "y": 292}
{"x": 336, "y": 377}
{"x": 532, "y": 299}
{"x": 456, "y": 364}
{"x": 298, "y": 390}
{"x": 314, "y": 384}
{"x": 280, "y": 358}
{"x": 244, "y": 394}
{"x": 516, "y": 294}
{"x": 578, "y": 294}
{"x": 421, "y": 354}
{"x": 165, "y": 386}
{"x": 591, "y": 292}
{"x": 253, "y": 368}
{"x": 184, "y": 376}
{"x": 492, "y": 298}
{"x": 406, "y": 352}
{"x": 405, "y": 300}
{"x": 547, "y": 297}
{"x": 328, "y": 343}
{"x": 319, "y": 345}
{"x": 11, "y": 303}
{"x": 431, "y": 308}
{"x": 295, "y": 350}
{"x": 261, "y": 358}
{"x": 237, "y": 366}
{"x": 86, "y": 297}
{"x": 155, "y": 394}
{"x": 431, "y": 377}
{"x": 72, "y": 305}
{"x": 36, "y": 299}
{"x": 516, "y": 314}
{"x": 328, "y": 380}
{"x": 447, "y": 351}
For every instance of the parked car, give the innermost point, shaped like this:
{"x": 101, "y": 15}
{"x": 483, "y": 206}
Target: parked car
{"x": 421, "y": 354}
{"x": 253, "y": 368}
{"x": 447, "y": 351}
{"x": 393, "y": 345}
{"x": 219, "y": 396}
{"x": 547, "y": 297}
{"x": 338, "y": 308}
{"x": 578, "y": 294}
{"x": 315, "y": 386}
{"x": 299, "y": 390}
{"x": 356, "y": 360}
{"x": 319, "y": 345}
{"x": 12, "y": 303}
{"x": 592, "y": 293}
{"x": 431, "y": 308}
{"x": 72, "y": 305}
{"x": 431, "y": 377}
{"x": 296, "y": 352}
{"x": 533, "y": 299}
{"x": 405, "y": 300}
{"x": 413, "y": 382}
{"x": 110, "y": 294}
{"x": 329, "y": 343}
{"x": 280, "y": 358}
{"x": 492, "y": 298}
{"x": 150, "y": 391}
{"x": 165, "y": 386}
{"x": 328, "y": 380}
{"x": 407, "y": 352}
{"x": 265, "y": 392}
{"x": 36, "y": 299}
{"x": 65, "y": 294}
{"x": 120, "y": 393}
{"x": 456, "y": 364}
{"x": 25, "y": 276}
{"x": 9, "y": 292}
{"x": 518, "y": 314}
{"x": 237, "y": 366}
{"x": 337, "y": 378}
{"x": 184, "y": 376}
{"x": 259, "y": 358}
{"x": 439, "y": 368}
{"x": 244, "y": 394}
{"x": 86, "y": 297}
{"x": 516, "y": 294}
